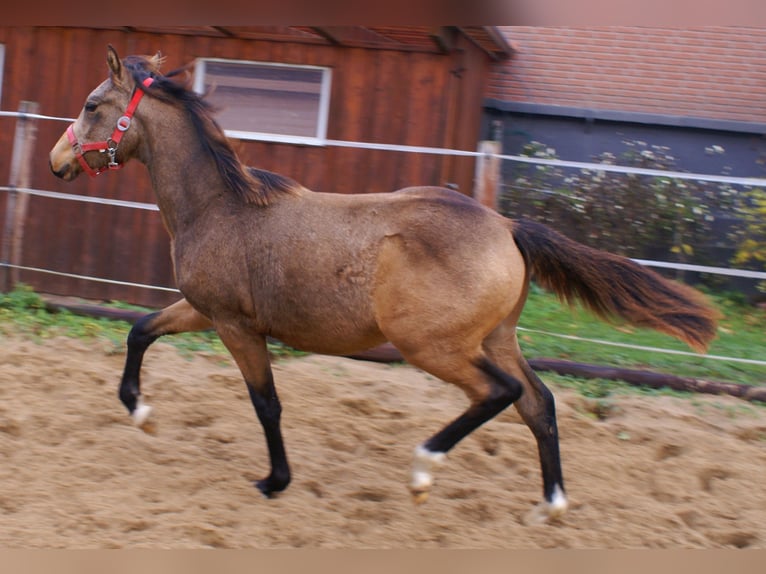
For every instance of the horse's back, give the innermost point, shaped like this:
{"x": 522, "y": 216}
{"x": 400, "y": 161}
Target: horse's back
{"x": 427, "y": 210}
{"x": 433, "y": 228}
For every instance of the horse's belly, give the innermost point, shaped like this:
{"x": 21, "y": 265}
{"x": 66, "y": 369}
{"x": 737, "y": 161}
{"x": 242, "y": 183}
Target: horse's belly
{"x": 331, "y": 339}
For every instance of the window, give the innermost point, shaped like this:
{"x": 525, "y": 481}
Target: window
{"x": 266, "y": 101}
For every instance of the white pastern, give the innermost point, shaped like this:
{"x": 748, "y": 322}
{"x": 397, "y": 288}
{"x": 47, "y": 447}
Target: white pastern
{"x": 559, "y": 503}
{"x": 422, "y": 464}
{"x": 545, "y": 510}
{"x": 141, "y": 413}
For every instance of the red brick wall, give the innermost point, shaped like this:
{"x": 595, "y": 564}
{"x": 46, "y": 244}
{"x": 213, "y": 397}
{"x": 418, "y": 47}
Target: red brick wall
{"x": 712, "y": 72}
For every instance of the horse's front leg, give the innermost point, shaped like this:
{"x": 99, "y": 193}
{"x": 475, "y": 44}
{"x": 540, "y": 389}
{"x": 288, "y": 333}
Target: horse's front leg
{"x": 251, "y": 355}
{"x": 179, "y": 317}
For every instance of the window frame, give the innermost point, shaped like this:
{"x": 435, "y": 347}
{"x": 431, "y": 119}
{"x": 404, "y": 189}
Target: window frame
{"x": 2, "y": 79}
{"x": 323, "y": 112}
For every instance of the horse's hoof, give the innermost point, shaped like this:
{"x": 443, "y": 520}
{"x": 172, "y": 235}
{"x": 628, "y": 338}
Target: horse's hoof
{"x": 269, "y": 487}
{"x": 422, "y": 479}
{"x": 547, "y": 511}
{"x": 149, "y": 427}
{"x": 263, "y": 489}
{"x": 535, "y": 517}
{"x": 141, "y": 417}
{"x": 539, "y": 515}
{"x": 420, "y": 497}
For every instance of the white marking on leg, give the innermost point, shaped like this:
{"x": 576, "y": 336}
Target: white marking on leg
{"x": 422, "y": 464}
{"x": 141, "y": 413}
{"x": 558, "y": 504}
{"x": 545, "y": 510}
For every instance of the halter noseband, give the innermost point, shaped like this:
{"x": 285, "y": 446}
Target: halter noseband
{"x": 109, "y": 146}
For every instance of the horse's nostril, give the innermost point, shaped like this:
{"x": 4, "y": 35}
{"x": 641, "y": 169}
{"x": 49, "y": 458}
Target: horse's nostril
{"x": 60, "y": 172}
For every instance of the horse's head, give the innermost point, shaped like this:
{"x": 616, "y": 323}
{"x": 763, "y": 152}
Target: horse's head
{"x": 106, "y": 134}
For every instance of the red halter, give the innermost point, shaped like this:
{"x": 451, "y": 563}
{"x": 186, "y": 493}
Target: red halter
{"x": 109, "y": 146}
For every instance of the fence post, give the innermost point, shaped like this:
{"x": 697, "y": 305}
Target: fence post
{"x": 16, "y": 205}
{"x": 488, "y": 178}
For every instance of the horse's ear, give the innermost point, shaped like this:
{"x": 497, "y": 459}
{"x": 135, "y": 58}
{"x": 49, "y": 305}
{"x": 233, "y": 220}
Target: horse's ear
{"x": 115, "y": 65}
{"x": 156, "y": 61}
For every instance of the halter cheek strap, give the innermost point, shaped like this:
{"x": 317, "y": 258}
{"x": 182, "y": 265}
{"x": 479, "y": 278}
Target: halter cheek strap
{"x": 108, "y": 146}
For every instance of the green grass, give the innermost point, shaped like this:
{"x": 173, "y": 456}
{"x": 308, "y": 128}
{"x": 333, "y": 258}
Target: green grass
{"x": 23, "y": 312}
{"x": 742, "y": 333}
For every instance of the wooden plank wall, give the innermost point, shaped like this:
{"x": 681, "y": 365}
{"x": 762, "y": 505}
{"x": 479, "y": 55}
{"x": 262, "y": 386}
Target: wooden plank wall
{"x": 385, "y": 96}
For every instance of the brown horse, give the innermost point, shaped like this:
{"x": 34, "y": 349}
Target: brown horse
{"x": 430, "y": 270}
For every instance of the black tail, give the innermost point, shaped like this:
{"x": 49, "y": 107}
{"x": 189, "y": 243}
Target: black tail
{"x": 614, "y": 287}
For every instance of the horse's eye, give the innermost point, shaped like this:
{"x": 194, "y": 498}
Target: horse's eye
{"x": 90, "y": 106}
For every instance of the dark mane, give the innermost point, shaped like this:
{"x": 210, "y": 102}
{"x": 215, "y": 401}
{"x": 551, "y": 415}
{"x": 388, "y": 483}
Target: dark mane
{"x": 251, "y": 185}
{"x": 271, "y": 182}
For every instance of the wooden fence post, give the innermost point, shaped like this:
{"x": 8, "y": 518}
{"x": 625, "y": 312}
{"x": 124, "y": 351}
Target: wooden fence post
{"x": 487, "y": 181}
{"x": 488, "y": 177}
{"x": 16, "y": 205}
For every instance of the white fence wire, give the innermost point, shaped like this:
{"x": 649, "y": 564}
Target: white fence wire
{"x": 740, "y": 181}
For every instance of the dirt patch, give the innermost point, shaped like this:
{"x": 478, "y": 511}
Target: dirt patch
{"x": 643, "y": 472}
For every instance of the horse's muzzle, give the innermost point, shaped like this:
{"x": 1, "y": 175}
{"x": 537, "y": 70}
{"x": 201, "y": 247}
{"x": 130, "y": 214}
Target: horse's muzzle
{"x": 63, "y": 172}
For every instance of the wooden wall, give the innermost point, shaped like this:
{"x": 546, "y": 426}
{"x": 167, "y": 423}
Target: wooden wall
{"x": 386, "y": 96}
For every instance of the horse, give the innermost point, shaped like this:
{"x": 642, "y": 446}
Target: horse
{"x": 430, "y": 270}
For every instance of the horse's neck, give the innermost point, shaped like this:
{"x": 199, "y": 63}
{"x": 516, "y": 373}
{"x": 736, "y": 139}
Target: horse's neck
{"x": 185, "y": 179}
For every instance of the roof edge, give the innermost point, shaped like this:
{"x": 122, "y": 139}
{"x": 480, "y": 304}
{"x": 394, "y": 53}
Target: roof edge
{"x": 590, "y": 114}
{"x": 499, "y": 38}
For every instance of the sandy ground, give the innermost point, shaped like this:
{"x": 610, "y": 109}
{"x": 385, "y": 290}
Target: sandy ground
{"x": 656, "y": 472}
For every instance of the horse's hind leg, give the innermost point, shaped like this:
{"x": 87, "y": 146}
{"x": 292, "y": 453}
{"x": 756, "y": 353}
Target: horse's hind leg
{"x": 539, "y": 413}
{"x": 537, "y": 408}
{"x": 179, "y": 317}
{"x": 489, "y": 389}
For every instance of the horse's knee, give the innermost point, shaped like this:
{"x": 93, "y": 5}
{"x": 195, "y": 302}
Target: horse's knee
{"x": 267, "y": 406}
{"x": 141, "y": 334}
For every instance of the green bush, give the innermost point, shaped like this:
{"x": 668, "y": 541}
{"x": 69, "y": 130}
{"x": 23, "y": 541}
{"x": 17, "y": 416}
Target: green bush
{"x": 638, "y": 216}
{"x": 22, "y": 298}
{"x": 751, "y": 251}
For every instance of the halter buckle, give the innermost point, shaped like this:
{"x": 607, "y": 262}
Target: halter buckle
{"x": 111, "y": 150}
